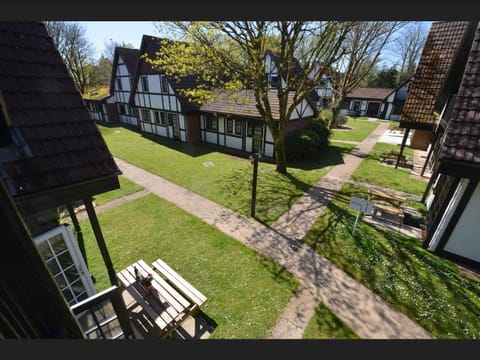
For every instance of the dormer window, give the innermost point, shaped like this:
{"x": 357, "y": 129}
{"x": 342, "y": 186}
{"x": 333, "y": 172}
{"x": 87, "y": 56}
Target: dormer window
{"x": 274, "y": 80}
{"x": 119, "y": 84}
{"x": 164, "y": 84}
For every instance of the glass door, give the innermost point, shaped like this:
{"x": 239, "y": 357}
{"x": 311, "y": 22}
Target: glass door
{"x": 60, "y": 252}
{"x": 257, "y": 138}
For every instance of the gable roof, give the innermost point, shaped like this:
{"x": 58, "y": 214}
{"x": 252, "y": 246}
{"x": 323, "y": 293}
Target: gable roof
{"x": 243, "y": 104}
{"x": 53, "y": 142}
{"x": 370, "y": 93}
{"x": 129, "y": 57}
{"x": 462, "y": 141}
{"x": 149, "y": 46}
{"x": 443, "y": 43}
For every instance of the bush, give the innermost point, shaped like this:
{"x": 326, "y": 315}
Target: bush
{"x": 320, "y": 127}
{"x": 342, "y": 119}
{"x": 301, "y": 145}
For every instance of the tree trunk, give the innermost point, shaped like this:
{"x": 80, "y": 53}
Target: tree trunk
{"x": 280, "y": 155}
{"x": 336, "y": 113}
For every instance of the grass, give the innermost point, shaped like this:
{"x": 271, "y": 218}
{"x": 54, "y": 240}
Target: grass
{"x": 361, "y": 129}
{"x": 127, "y": 187}
{"x": 246, "y": 291}
{"x": 325, "y": 325}
{"x": 373, "y": 172}
{"x": 425, "y": 287}
{"x": 223, "y": 178}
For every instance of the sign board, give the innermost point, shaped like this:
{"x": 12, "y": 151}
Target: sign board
{"x": 362, "y": 205}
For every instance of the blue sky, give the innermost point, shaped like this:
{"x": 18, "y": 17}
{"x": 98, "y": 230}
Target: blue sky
{"x": 100, "y": 32}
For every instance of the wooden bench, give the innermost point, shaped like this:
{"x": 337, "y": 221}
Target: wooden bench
{"x": 386, "y": 208}
{"x": 182, "y": 285}
{"x": 166, "y": 307}
{"x": 393, "y": 155}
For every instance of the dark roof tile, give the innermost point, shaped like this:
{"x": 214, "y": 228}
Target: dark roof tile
{"x": 59, "y": 142}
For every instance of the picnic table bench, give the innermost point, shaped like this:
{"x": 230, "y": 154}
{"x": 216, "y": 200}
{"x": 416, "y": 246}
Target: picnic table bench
{"x": 166, "y": 307}
{"x": 393, "y": 155}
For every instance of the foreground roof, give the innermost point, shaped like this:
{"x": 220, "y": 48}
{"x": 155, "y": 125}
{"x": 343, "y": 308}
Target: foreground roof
{"x": 443, "y": 43}
{"x": 462, "y": 142}
{"x": 48, "y": 139}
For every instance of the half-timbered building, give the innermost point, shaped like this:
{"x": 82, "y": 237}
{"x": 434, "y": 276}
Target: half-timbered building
{"x": 233, "y": 122}
{"x": 162, "y": 110}
{"x": 123, "y": 70}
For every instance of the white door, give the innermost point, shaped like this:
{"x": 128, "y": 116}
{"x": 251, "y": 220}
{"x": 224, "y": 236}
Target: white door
{"x": 60, "y": 252}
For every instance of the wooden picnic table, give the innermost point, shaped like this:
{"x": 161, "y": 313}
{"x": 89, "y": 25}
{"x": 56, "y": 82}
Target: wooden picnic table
{"x": 165, "y": 307}
{"x": 394, "y": 199}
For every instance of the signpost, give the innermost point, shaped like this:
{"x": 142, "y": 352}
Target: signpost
{"x": 361, "y": 205}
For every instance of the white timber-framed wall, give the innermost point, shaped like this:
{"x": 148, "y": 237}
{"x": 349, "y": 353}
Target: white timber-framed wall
{"x": 364, "y": 107}
{"x": 271, "y": 71}
{"x": 248, "y": 134}
{"x": 127, "y": 114}
{"x": 96, "y": 110}
{"x": 395, "y": 101}
{"x": 159, "y": 110}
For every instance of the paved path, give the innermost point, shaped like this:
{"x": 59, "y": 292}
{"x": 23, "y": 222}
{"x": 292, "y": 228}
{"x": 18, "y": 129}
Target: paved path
{"x": 358, "y": 307}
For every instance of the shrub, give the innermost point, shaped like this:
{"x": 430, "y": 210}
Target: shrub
{"x": 320, "y": 127}
{"x": 301, "y": 145}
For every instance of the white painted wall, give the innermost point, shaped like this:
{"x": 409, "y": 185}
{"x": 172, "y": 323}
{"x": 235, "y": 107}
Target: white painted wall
{"x": 233, "y": 142}
{"x": 268, "y": 150}
{"x": 464, "y": 240}
{"x": 268, "y": 135}
{"x": 210, "y": 137}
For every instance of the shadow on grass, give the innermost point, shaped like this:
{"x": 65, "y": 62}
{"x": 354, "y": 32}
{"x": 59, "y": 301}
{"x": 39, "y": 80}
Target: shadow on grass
{"x": 332, "y": 155}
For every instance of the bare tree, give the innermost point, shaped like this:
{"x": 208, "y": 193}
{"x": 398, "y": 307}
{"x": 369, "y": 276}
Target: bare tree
{"x": 231, "y": 56}
{"x": 365, "y": 43}
{"x": 76, "y": 50}
{"x": 109, "y": 50}
{"x": 409, "y": 45}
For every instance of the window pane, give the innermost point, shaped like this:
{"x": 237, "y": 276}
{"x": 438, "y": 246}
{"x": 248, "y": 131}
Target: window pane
{"x": 112, "y": 329}
{"x": 44, "y": 250}
{"x": 68, "y": 294}
{"x": 53, "y": 266}
{"x": 60, "y": 279}
{"x": 57, "y": 243}
{"x": 65, "y": 260}
{"x": 71, "y": 273}
{"x": 77, "y": 288}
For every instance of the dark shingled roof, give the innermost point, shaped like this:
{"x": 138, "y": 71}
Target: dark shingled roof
{"x": 443, "y": 43}
{"x": 150, "y": 45}
{"x": 462, "y": 141}
{"x": 370, "y": 93}
{"x": 48, "y": 139}
{"x": 242, "y": 103}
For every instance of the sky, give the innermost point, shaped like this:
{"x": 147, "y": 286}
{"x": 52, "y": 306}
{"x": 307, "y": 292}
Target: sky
{"x": 100, "y": 32}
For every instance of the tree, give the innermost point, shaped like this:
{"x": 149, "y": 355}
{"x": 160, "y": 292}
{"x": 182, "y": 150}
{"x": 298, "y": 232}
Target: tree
{"x": 231, "y": 56}
{"x": 76, "y": 50}
{"x": 110, "y": 46}
{"x": 102, "y": 72}
{"x": 409, "y": 45}
{"x": 365, "y": 42}
{"x": 384, "y": 78}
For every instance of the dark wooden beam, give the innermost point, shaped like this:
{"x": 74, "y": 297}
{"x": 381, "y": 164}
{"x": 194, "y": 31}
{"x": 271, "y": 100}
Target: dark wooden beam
{"x": 404, "y": 141}
{"x": 78, "y": 232}
{"x": 92, "y": 216}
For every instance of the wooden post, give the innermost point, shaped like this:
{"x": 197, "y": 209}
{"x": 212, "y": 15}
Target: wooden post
{"x": 404, "y": 141}
{"x": 92, "y": 216}
{"x": 78, "y": 232}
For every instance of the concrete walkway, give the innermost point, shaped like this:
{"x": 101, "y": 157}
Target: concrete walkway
{"x": 358, "y": 307}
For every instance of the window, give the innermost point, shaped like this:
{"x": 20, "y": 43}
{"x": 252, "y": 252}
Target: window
{"x": 250, "y": 129}
{"x": 274, "y": 80}
{"x": 171, "y": 117}
{"x": 211, "y": 122}
{"x": 163, "y": 119}
{"x": 164, "y": 84}
{"x": 229, "y": 126}
{"x": 131, "y": 111}
{"x": 145, "y": 115}
{"x": 156, "y": 116}
{"x": 144, "y": 83}
{"x": 119, "y": 84}
{"x": 238, "y": 127}
{"x": 121, "y": 109}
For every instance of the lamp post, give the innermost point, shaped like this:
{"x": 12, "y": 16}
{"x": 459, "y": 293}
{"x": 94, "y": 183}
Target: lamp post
{"x": 254, "y": 160}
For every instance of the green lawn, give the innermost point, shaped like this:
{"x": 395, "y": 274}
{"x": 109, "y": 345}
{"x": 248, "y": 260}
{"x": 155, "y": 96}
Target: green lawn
{"x": 223, "y": 178}
{"x": 373, "y": 172}
{"x": 325, "y": 325}
{"x": 127, "y": 187}
{"x": 422, "y": 285}
{"x": 360, "y": 130}
{"x": 246, "y": 291}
